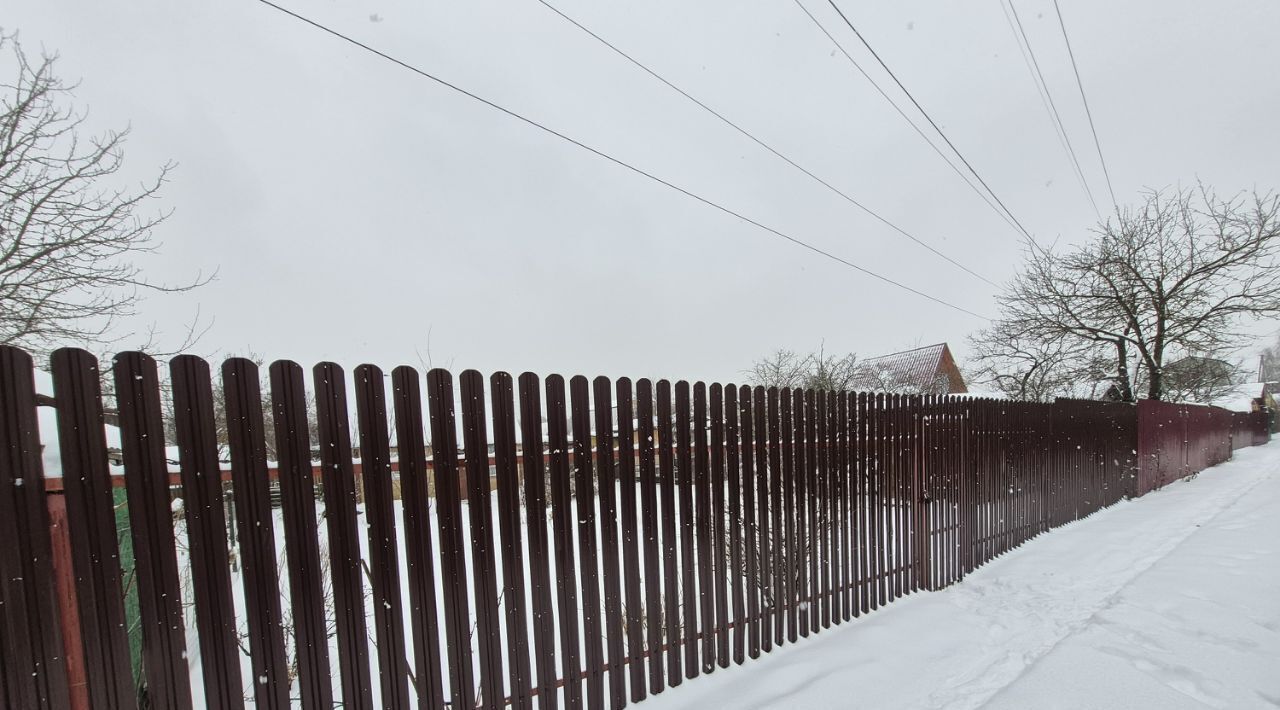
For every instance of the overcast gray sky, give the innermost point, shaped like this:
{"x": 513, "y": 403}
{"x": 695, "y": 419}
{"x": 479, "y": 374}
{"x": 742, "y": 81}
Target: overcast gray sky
{"x": 352, "y": 207}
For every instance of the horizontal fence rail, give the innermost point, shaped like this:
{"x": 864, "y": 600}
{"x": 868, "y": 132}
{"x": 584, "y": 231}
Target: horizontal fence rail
{"x": 523, "y": 541}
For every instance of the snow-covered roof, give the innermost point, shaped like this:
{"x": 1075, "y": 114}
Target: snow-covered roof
{"x": 915, "y": 367}
{"x": 1240, "y": 398}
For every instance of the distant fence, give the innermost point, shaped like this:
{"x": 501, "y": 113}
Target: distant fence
{"x": 662, "y": 530}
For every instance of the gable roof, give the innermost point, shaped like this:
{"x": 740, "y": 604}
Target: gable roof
{"x": 917, "y": 368}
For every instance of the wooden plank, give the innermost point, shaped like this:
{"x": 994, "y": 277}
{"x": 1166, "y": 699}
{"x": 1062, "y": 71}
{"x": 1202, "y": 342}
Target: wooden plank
{"x": 475, "y": 445}
{"x": 384, "y": 565}
{"x": 33, "y": 659}
{"x": 562, "y": 518}
{"x": 339, "y": 485}
{"x": 204, "y": 506}
{"x": 95, "y": 551}
{"x": 406, "y": 393}
{"x": 245, "y": 431}
{"x": 301, "y": 534}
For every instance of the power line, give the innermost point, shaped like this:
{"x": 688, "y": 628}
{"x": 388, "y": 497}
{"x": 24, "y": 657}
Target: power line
{"x": 928, "y": 118}
{"x": 762, "y": 144}
{"x": 1085, "y": 100}
{"x": 1052, "y": 105}
{"x": 616, "y": 161}
{"x": 904, "y": 115}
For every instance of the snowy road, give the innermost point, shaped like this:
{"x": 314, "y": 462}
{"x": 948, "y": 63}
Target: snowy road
{"x": 1168, "y": 602}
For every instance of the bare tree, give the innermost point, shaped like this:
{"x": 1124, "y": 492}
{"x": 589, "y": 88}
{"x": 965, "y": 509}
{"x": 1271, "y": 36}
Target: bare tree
{"x": 68, "y": 230}
{"x": 1201, "y": 379}
{"x": 1179, "y": 274}
{"x": 1024, "y": 367}
{"x": 816, "y": 370}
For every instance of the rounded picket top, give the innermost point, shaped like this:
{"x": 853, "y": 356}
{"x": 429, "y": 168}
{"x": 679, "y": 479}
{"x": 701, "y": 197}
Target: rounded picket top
{"x": 327, "y": 372}
{"x": 16, "y": 355}
{"x": 188, "y": 365}
{"x": 404, "y": 372}
{"x": 74, "y": 357}
{"x": 501, "y": 378}
{"x": 284, "y": 369}
{"x": 368, "y": 372}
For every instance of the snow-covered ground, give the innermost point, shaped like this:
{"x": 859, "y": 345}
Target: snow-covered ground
{"x": 1171, "y": 601}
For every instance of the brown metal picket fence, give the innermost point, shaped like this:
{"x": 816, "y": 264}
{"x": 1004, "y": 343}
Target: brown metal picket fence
{"x": 690, "y": 527}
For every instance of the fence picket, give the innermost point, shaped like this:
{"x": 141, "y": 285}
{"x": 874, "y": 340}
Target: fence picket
{"x": 252, "y": 491}
{"x": 146, "y": 473}
{"x": 633, "y": 607}
{"x": 502, "y": 397}
{"x": 302, "y": 549}
{"x": 563, "y": 521}
{"x": 651, "y": 545}
{"x": 453, "y": 564}
{"x": 338, "y": 482}
{"x": 92, "y": 524}
{"x": 703, "y": 529}
{"x": 31, "y": 649}
{"x": 610, "y": 572}
{"x": 204, "y": 506}
{"x": 535, "y": 497}
{"x": 384, "y": 565}
{"x": 419, "y": 564}
{"x": 475, "y": 447}
{"x": 670, "y": 568}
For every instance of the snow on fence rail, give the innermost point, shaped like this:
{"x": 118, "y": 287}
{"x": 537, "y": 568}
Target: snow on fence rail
{"x": 664, "y": 531}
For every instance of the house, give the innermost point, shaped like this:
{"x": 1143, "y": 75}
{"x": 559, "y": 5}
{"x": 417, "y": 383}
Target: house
{"x": 1252, "y": 397}
{"x": 1196, "y": 375}
{"x": 927, "y": 370}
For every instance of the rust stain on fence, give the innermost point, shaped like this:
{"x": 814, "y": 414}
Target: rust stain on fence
{"x": 660, "y": 531}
